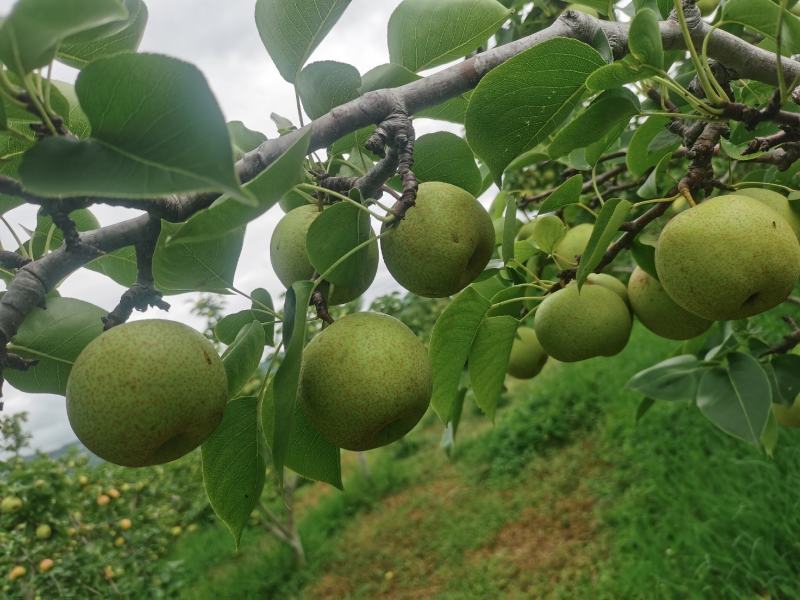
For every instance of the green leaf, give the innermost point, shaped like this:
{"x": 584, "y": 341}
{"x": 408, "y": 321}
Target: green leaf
{"x": 618, "y": 74}
{"x": 242, "y": 358}
{"x": 641, "y": 155}
{"x": 488, "y": 360}
{"x": 391, "y": 75}
{"x": 233, "y": 465}
{"x": 79, "y": 54}
{"x": 769, "y": 437}
{"x": 229, "y": 326}
{"x": 610, "y": 110}
{"x": 548, "y": 231}
{"x": 31, "y": 33}
{"x": 737, "y": 399}
{"x": 565, "y": 194}
{"x": 518, "y": 104}
{"x": 451, "y": 340}
{"x": 509, "y": 229}
{"x": 119, "y": 265}
{"x": 606, "y": 228}
{"x": 287, "y": 377}
{"x": 55, "y": 337}
{"x": 645, "y": 257}
{"x": 762, "y": 16}
{"x": 292, "y": 30}
{"x": 334, "y": 233}
{"x": 227, "y": 215}
{"x": 444, "y": 156}
{"x": 656, "y": 183}
{"x": 205, "y": 265}
{"x": 243, "y": 139}
{"x": 645, "y": 405}
{"x": 264, "y": 312}
{"x": 308, "y": 454}
{"x": 156, "y": 129}
{"x": 65, "y": 103}
{"x": 675, "y": 379}
{"x": 325, "y": 85}
{"x": 424, "y": 34}
{"x": 644, "y": 39}
{"x": 786, "y": 368}
{"x": 47, "y": 235}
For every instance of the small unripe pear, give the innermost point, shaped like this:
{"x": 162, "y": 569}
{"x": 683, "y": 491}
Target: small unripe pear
{"x": 730, "y": 257}
{"x": 443, "y": 243}
{"x": 572, "y": 246}
{"x": 10, "y": 504}
{"x": 526, "y": 230}
{"x": 787, "y": 416}
{"x": 44, "y": 531}
{"x": 527, "y": 355}
{"x": 659, "y": 313}
{"x": 146, "y": 393}
{"x": 707, "y": 6}
{"x": 573, "y": 326}
{"x": 610, "y": 282}
{"x": 365, "y": 381}
{"x": 777, "y": 202}
{"x": 290, "y": 261}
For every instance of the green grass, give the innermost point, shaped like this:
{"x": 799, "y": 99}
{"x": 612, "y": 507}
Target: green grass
{"x": 565, "y": 497}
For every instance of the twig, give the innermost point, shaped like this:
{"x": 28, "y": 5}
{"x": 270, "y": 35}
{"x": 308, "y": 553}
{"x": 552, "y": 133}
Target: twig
{"x": 790, "y": 340}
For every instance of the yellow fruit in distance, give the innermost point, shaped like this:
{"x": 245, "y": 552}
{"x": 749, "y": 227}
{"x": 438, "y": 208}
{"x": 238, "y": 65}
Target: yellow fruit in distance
{"x": 102, "y": 500}
{"x": 125, "y": 524}
{"x": 17, "y": 572}
{"x": 45, "y": 565}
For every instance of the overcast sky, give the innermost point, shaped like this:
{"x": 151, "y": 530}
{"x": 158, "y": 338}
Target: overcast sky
{"x": 222, "y": 40}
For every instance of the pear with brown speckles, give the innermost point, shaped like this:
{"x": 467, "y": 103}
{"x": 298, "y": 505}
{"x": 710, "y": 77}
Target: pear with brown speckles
{"x": 443, "y": 243}
{"x": 146, "y": 393}
{"x": 365, "y": 381}
{"x": 730, "y": 257}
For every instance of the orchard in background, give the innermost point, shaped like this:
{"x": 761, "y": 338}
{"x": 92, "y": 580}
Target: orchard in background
{"x": 645, "y": 163}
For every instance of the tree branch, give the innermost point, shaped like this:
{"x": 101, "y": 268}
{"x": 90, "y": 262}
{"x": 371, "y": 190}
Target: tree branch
{"x": 33, "y": 281}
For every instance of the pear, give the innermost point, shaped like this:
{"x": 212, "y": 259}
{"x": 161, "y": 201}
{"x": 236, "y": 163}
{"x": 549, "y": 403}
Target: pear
{"x": 730, "y": 257}
{"x": 527, "y": 355}
{"x": 572, "y": 246}
{"x": 777, "y": 202}
{"x": 573, "y": 326}
{"x": 659, "y": 313}
{"x": 365, "y": 381}
{"x": 443, "y": 243}
{"x": 146, "y": 392}
{"x": 526, "y": 230}
{"x": 10, "y": 504}
{"x": 707, "y": 6}
{"x": 289, "y": 256}
{"x": 787, "y": 416}
{"x": 610, "y": 282}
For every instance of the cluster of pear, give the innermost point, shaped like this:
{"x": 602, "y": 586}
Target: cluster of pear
{"x": 366, "y": 380}
{"x": 730, "y": 257}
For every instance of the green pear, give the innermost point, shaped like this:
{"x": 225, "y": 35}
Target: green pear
{"x": 443, "y": 243}
{"x": 526, "y": 230}
{"x": 44, "y": 531}
{"x": 365, "y": 381}
{"x": 10, "y": 504}
{"x": 572, "y": 246}
{"x": 787, "y": 416}
{"x": 573, "y": 326}
{"x": 659, "y": 313}
{"x": 146, "y": 392}
{"x": 289, "y": 256}
{"x": 527, "y": 355}
{"x": 730, "y": 257}
{"x": 584, "y": 9}
{"x": 777, "y": 202}
{"x": 610, "y": 282}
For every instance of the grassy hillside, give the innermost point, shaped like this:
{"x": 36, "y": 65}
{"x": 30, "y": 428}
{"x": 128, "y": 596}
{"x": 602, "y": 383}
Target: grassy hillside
{"x": 564, "y": 497}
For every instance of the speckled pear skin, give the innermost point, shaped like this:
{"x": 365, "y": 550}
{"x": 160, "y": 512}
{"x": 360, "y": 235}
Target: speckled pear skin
{"x": 659, "y": 313}
{"x": 287, "y": 252}
{"x": 365, "y": 381}
{"x": 147, "y": 392}
{"x": 777, "y": 202}
{"x": 609, "y": 281}
{"x": 443, "y": 243}
{"x": 574, "y": 326}
{"x": 572, "y": 245}
{"x": 527, "y": 355}
{"x": 730, "y": 257}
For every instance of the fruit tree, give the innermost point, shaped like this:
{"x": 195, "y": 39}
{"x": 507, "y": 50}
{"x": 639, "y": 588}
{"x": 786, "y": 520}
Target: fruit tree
{"x": 641, "y": 157}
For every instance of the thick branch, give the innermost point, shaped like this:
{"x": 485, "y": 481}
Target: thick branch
{"x": 32, "y": 282}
